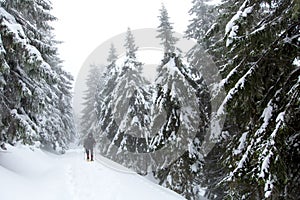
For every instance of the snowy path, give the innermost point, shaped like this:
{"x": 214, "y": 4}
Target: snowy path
{"x": 35, "y": 175}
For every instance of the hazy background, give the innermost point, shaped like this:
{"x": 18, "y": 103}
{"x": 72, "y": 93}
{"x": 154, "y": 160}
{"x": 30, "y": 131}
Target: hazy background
{"x": 86, "y": 28}
{"x": 84, "y": 25}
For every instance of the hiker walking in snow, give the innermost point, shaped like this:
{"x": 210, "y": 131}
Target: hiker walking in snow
{"x": 89, "y": 143}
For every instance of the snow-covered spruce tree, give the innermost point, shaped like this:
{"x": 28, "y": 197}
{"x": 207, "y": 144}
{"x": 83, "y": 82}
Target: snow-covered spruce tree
{"x": 89, "y": 118}
{"x": 130, "y": 45}
{"x": 112, "y": 56}
{"x": 258, "y": 59}
{"x": 103, "y": 97}
{"x": 60, "y": 110}
{"x": 35, "y": 96}
{"x": 205, "y": 74}
{"x": 199, "y": 28}
{"x": 202, "y": 22}
{"x": 179, "y": 134}
{"x": 124, "y": 112}
{"x": 166, "y": 33}
{"x": 177, "y": 96}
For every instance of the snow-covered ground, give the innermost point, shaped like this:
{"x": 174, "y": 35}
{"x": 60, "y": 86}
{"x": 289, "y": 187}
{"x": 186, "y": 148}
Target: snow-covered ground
{"x": 28, "y": 173}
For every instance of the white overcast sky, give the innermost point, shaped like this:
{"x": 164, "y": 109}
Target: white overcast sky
{"x": 84, "y": 25}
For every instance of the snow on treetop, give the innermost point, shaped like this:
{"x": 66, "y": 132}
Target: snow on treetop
{"x": 231, "y": 27}
{"x": 172, "y": 69}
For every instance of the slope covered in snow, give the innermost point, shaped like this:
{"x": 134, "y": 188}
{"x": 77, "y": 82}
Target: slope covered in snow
{"x": 31, "y": 174}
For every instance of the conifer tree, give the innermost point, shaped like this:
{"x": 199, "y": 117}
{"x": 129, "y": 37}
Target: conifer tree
{"x": 123, "y": 107}
{"x": 176, "y": 100}
{"x": 112, "y": 57}
{"x": 256, "y": 55}
{"x": 178, "y": 87}
{"x": 130, "y": 46}
{"x": 103, "y": 99}
{"x": 89, "y": 118}
{"x": 203, "y": 18}
{"x": 166, "y": 33}
{"x": 35, "y": 96}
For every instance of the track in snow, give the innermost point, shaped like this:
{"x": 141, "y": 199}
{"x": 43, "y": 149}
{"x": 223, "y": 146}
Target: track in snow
{"x": 39, "y": 175}
{"x": 108, "y": 180}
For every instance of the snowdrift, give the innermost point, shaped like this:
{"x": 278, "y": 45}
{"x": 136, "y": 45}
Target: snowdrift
{"x": 28, "y": 173}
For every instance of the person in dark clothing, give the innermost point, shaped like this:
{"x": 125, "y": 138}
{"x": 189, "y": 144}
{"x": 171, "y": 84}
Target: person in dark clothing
{"x": 89, "y": 143}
